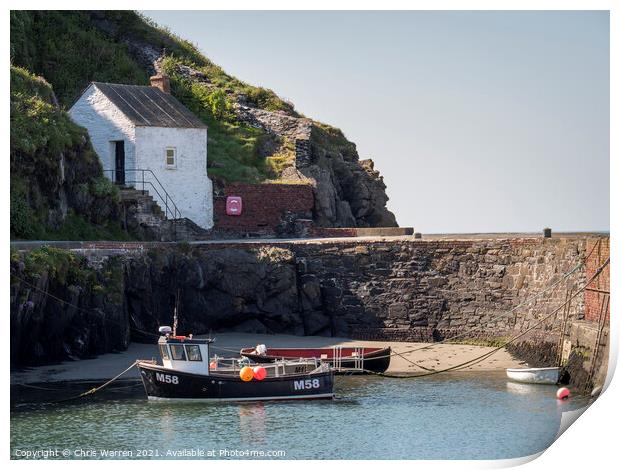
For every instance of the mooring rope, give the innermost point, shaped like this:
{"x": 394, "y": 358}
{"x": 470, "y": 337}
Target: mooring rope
{"x": 513, "y": 339}
{"x": 96, "y": 389}
{"x": 431, "y": 345}
{"x": 456, "y": 367}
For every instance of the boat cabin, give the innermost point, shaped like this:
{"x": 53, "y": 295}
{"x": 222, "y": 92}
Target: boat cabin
{"x": 184, "y": 353}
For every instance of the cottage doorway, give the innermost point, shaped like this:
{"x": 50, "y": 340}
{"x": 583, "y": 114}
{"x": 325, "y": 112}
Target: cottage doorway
{"x": 119, "y": 161}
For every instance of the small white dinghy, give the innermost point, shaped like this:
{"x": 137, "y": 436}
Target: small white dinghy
{"x": 536, "y": 375}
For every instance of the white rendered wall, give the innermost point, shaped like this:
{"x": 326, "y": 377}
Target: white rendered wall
{"x": 105, "y": 123}
{"x": 188, "y": 183}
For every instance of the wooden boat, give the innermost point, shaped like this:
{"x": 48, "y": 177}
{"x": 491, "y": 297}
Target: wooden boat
{"x": 535, "y": 375}
{"x": 345, "y": 360}
{"x": 187, "y": 374}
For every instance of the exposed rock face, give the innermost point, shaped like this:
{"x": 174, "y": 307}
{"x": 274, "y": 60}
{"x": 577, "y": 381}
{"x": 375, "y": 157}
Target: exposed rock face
{"x": 250, "y": 291}
{"x": 348, "y": 192}
{"x": 90, "y": 318}
{"x": 275, "y": 122}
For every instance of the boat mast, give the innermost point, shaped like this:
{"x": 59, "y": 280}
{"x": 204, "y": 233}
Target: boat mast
{"x": 176, "y": 317}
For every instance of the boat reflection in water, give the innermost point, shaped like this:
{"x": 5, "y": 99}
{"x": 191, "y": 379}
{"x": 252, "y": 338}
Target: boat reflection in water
{"x": 252, "y": 423}
{"x": 523, "y": 388}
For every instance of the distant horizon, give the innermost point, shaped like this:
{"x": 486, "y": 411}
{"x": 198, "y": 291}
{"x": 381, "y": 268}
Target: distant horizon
{"x": 479, "y": 121}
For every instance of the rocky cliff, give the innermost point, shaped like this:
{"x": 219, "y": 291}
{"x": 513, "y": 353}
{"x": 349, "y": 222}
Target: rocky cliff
{"x": 254, "y": 136}
{"x": 64, "y": 306}
{"x": 349, "y": 192}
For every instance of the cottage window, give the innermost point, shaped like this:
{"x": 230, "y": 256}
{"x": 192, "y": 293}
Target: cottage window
{"x": 171, "y": 157}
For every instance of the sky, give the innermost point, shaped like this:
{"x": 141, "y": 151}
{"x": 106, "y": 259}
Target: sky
{"x": 478, "y": 121}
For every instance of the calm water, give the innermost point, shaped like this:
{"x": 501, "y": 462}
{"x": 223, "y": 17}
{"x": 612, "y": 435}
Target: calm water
{"x": 456, "y": 416}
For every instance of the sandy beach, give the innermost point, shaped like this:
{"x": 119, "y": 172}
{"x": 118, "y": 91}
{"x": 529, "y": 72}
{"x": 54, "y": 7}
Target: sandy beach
{"x": 438, "y": 356}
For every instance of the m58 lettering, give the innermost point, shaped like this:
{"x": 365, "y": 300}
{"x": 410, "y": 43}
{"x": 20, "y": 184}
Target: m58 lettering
{"x": 169, "y": 379}
{"x": 306, "y": 384}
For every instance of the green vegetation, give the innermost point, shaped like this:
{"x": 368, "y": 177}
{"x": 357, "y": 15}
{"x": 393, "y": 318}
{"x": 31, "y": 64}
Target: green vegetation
{"x": 281, "y": 160}
{"x": 78, "y": 227}
{"x": 50, "y": 154}
{"x": 62, "y": 265}
{"x": 69, "y": 50}
{"x": 72, "y": 48}
{"x": 333, "y": 140}
{"x": 492, "y": 342}
{"x": 233, "y": 147}
{"x": 36, "y": 124}
{"x": 67, "y": 269}
{"x": 22, "y": 215}
{"x": 103, "y": 188}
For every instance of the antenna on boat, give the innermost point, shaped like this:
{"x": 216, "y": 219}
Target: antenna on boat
{"x": 176, "y": 316}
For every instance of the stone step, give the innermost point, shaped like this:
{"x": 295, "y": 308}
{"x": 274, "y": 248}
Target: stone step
{"x": 142, "y": 197}
{"x": 131, "y": 193}
{"x": 145, "y": 215}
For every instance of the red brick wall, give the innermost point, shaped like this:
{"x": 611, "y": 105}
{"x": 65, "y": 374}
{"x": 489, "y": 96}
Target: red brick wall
{"x": 263, "y": 206}
{"x": 594, "y": 299}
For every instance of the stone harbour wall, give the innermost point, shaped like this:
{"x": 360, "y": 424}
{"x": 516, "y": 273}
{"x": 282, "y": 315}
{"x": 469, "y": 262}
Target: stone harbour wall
{"x": 397, "y": 290}
{"x": 415, "y": 289}
{"x": 401, "y": 289}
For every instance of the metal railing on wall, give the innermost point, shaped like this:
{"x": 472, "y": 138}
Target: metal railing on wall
{"x": 140, "y": 182}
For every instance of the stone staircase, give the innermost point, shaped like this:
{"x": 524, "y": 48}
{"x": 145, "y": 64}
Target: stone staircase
{"x": 144, "y": 218}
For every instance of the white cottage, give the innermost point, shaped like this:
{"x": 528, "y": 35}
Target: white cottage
{"x": 135, "y": 128}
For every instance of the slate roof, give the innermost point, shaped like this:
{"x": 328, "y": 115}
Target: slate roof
{"x": 149, "y": 106}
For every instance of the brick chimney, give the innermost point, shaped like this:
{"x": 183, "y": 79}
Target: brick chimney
{"x": 162, "y": 82}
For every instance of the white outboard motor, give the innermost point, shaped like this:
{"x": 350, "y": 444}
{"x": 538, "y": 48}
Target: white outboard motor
{"x": 165, "y": 330}
{"x": 261, "y": 349}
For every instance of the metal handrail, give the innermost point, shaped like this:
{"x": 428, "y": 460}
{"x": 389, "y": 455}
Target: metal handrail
{"x": 169, "y": 205}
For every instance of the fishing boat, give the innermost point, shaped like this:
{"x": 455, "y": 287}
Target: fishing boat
{"x": 344, "y": 360}
{"x": 535, "y": 375}
{"x": 188, "y": 374}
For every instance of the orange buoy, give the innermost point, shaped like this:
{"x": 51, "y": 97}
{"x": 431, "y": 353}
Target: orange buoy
{"x": 246, "y": 374}
{"x": 213, "y": 365}
{"x": 259, "y": 372}
{"x": 563, "y": 393}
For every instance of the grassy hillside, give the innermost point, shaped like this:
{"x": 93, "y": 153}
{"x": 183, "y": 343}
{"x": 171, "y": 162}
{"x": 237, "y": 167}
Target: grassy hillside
{"x": 72, "y": 48}
{"x": 69, "y": 49}
{"x": 57, "y": 187}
